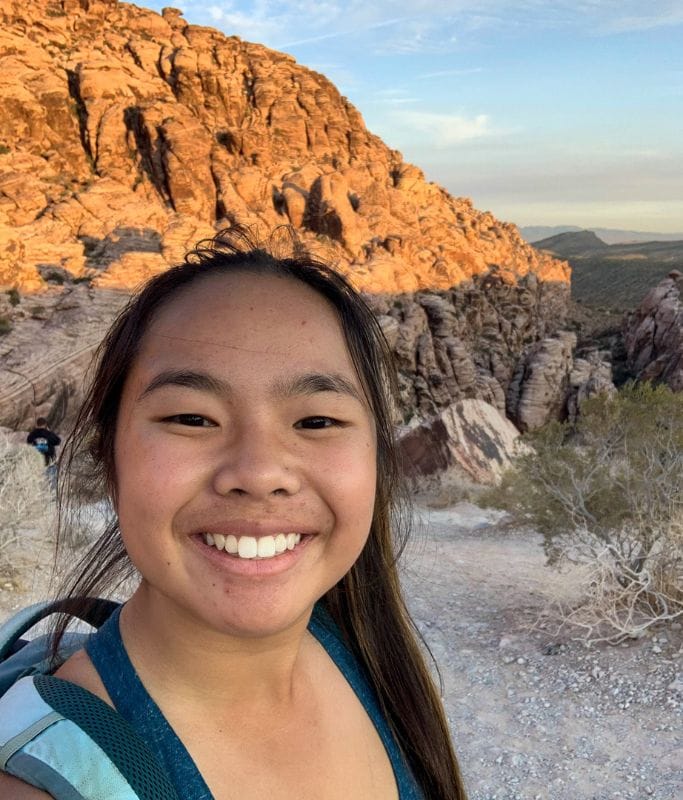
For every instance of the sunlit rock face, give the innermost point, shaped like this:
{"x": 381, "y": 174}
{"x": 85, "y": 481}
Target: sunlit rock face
{"x": 126, "y": 136}
{"x": 127, "y": 132}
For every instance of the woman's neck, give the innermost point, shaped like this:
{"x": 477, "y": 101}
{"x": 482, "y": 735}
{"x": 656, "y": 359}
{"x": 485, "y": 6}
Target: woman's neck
{"x": 175, "y": 654}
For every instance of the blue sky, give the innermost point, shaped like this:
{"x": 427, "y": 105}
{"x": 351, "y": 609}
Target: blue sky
{"x": 544, "y": 113}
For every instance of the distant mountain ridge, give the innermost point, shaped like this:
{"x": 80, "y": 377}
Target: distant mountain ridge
{"x": 535, "y": 233}
{"x": 572, "y": 244}
{"x": 613, "y": 275}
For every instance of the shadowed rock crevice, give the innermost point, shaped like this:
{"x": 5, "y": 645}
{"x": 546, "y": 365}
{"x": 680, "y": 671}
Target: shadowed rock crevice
{"x": 149, "y": 156}
{"x": 81, "y": 111}
{"x": 102, "y": 252}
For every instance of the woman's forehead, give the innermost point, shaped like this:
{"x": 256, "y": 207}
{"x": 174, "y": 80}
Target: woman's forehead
{"x": 249, "y": 294}
{"x": 246, "y": 316}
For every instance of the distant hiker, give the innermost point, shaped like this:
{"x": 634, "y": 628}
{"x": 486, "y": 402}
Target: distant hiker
{"x": 44, "y": 440}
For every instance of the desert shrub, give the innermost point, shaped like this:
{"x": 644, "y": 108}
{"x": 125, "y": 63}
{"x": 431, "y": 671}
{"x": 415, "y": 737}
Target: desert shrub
{"x": 25, "y": 496}
{"x": 607, "y": 495}
{"x": 14, "y": 296}
{"x": 5, "y": 325}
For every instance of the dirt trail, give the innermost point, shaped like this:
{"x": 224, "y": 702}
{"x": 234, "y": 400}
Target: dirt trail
{"x": 579, "y": 723}
{"x": 533, "y": 717}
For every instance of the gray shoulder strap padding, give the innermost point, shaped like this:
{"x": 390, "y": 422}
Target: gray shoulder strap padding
{"x": 21, "y": 739}
{"x": 38, "y": 774}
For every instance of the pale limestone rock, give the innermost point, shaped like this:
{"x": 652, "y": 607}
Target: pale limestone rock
{"x": 538, "y": 389}
{"x": 653, "y": 334}
{"x": 43, "y": 360}
{"x": 590, "y": 376}
{"x": 469, "y": 439}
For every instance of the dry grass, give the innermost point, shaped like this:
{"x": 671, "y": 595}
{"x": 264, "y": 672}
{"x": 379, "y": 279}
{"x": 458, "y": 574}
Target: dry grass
{"x": 26, "y": 500}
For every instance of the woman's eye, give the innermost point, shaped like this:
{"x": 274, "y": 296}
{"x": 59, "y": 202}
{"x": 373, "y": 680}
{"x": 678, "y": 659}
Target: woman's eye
{"x": 316, "y": 423}
{"x": 191, "y": 420}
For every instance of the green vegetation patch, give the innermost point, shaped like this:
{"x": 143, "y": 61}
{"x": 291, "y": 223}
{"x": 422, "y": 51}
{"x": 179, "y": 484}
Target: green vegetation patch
{"x": 607, "y": 495}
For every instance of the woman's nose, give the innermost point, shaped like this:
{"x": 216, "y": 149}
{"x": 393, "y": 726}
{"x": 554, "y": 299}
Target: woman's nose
{"x": 255, "y": 463}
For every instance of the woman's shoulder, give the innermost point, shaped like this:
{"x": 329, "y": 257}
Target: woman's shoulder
{"x": 79, "y": 669}
{"x": 12, "y": 788}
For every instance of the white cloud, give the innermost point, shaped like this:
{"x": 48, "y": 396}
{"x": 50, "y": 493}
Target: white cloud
{"x": 349, "y": 30}
{"x": 394, "y": 97}
{"x": 441, "y": 130}
{"x": 641, "y": 22}
{"x": 426, "y": 25}
{"x": 400, "y": 101}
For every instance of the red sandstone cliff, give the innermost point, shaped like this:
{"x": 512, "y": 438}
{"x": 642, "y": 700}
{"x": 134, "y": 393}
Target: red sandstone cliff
{"x": 125, "y": 136}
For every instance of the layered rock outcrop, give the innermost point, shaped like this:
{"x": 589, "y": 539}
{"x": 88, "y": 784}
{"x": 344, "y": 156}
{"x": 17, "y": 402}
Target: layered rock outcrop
{"x": 653, "y": 334}
{"x": 127, "y": 132}
{"x": 126, "y": 136}
{"x": 45, "y": 357}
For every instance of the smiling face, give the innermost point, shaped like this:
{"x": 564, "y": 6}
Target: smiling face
{"x": 245, "y": 454}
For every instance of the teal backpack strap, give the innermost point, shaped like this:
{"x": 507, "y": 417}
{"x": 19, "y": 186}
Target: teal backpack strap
{"x": 11, "y": 631}
{"x": 19, "y": 657}
{"x": 61, "y": 738}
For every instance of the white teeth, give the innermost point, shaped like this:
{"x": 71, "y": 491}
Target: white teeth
{"x": 266, "y": 547}
{"x": 247, "y": 547}
{"x": 251, "y": 547}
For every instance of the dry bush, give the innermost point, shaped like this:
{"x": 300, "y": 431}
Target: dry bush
{"x": 26, "y": 500}
{"x": 607, "y": 494}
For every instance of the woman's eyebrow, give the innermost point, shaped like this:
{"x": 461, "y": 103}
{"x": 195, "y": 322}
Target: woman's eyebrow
{"x": 309, "y": 383}
{"x": 189, "y": 379}
{"x": 314, "y": 382}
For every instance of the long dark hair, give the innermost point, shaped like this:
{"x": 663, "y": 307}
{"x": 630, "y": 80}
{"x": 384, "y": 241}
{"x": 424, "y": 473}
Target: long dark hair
{"x": 367, "y": 603}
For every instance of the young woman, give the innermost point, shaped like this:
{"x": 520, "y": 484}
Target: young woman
{"x": 240, "y": 418}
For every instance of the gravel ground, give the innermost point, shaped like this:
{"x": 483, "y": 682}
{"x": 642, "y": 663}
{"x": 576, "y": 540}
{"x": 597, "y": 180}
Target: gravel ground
{"x": 536, "y": 717}
{"x": 533, "y": 717}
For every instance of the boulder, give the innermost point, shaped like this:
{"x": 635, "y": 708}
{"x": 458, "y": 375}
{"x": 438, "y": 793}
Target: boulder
{"x": 538, "y": 390}
{"x": 653, "y": 334}
{"x": 470, "y": 441}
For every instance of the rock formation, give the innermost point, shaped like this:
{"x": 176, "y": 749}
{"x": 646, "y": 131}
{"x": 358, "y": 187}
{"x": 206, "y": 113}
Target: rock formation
{"x": 468, "y": 442}
{"x": 653, "y": 334}
{"x": 44, "y": 358}
{"x": 126, "y": 136}
{"x": 126, "y": 133}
